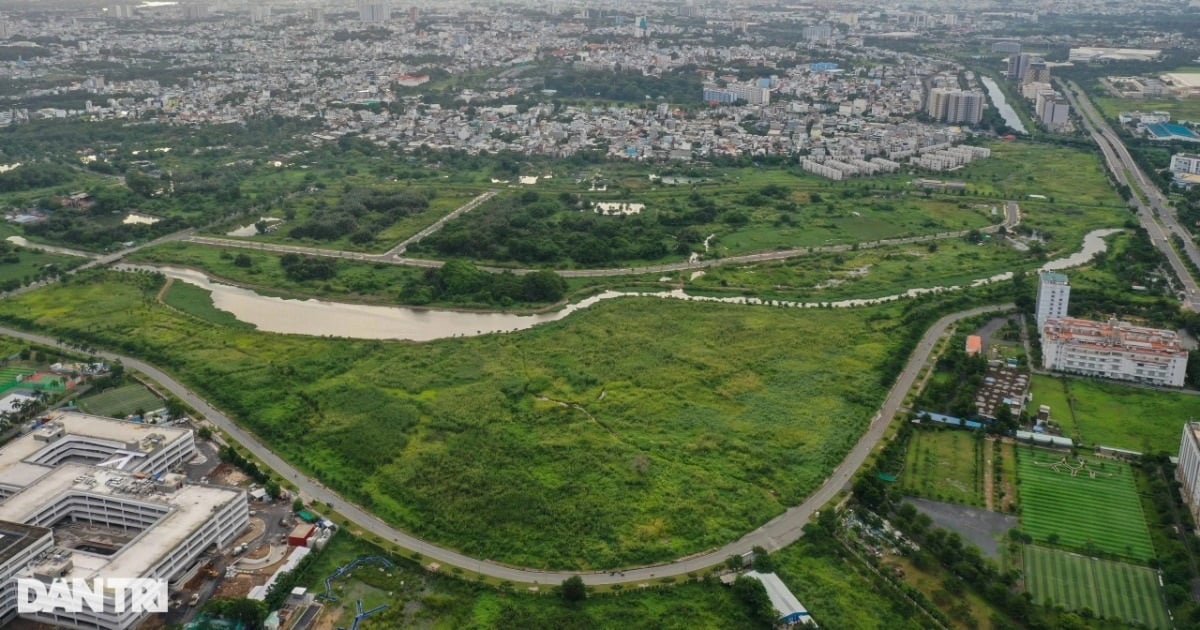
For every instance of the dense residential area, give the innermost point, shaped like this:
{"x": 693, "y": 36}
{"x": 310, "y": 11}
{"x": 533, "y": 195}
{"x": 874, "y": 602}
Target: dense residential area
{"x": 589, "y": 315}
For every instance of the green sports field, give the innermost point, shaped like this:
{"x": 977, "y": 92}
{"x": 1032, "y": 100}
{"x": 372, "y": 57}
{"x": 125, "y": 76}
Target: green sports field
{"x": 1111, "y": 589}
{"x": 1096, "y": 509}
{"x": 121, "y": 402}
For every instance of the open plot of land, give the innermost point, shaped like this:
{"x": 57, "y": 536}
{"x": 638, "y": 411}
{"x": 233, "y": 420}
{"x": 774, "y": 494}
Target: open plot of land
{"x": 694, "y": 423}
{"x": 1131, "y": 417}
{"x": 982, "y": 528}
{"x": 1082, "y": 503}
{"x": 944, "y": 466}
{"x": 31, "y": 262}
{"x": 1111, "y": 589}
{"x": 1051, "y": 391}
{"x": 121, "y": 401}
{"x": 1112, "y": 414}
{"x": 1180, "y": 109}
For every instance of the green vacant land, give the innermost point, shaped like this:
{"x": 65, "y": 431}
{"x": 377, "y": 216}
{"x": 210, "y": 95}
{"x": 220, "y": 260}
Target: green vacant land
{"x": 1110, "y": 414}
{"x": 29, "y": 263}
{"x": 839, "y": 594}
{"x": 1184, "y": 109}
{"x": 1110, "y": 589}
{"x": 196, "y": 301}
{"x": 1092, "y": 506}
{"x": 944, "y": 466}
{"x": 121, "y": 401}
{"x": 685, "y": 425}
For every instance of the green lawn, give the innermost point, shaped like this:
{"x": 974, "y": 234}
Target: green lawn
{"x": 702, "y": 420}
{"x": 1111, "y": 414}
{"x": 1111, "y": 589}
{"x": 944, "y": 466}
{"x": 1094, "y": 514}
{"x": 121, "y": 401}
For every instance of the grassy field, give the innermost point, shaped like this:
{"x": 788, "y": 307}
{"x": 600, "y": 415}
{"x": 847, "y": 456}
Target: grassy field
{"x": 867, "y": 272}
{"x": 696, "y": 422}
{"x": 1109, "y": 414}
{"x": 1093, "y": 514}
{"x": 838, "y": 597}
{"x": 121, "y": 401}
{"x": 1111, "y": 589}
{"x": 1184, "y": 109}
{"x": 198, "y": 302}
{"x": 32, "y": 262}
{"x": 944, "y": 466}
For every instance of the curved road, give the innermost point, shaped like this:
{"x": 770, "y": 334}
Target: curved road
{"x": 775, "y": 534}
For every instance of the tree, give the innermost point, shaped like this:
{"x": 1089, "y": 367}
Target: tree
{"x": 249, "y": 612}
{"x": 272, "y": 488}
{"x": 297, "y": 505}
{"x": 573, "y": 590}
{"x": 243, "y": 260}
{"x": 753, "y": 596}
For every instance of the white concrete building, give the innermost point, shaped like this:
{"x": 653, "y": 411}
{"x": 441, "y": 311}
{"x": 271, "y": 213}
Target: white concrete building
{"x": 1188, "y": 470}
{"x": 1114, "y": 349}
{"x": 104, "y": 494}
{"x": 1053, "y": 296}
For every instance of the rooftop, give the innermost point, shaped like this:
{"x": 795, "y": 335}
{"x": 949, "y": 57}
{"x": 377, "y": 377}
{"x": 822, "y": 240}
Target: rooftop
{"x": 183, "y": 511}
{"x": 1054, "y": 277}
{"x": 18, "y": 465}
{"x": 1114, "y": 335}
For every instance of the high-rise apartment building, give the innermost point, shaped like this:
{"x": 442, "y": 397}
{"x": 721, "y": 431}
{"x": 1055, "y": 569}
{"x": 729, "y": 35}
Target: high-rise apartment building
{"x": 1053, "y": 296}
{"x": 955, "y": 106}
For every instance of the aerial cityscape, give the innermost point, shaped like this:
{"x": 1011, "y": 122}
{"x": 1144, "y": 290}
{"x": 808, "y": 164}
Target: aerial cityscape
{"x": 682, "y": 314}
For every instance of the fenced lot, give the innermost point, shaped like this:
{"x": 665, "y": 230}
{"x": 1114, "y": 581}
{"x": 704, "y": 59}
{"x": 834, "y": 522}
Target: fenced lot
{"x": 1112, "y": 589}
{"x": 121, "y": 401}
{"x": 1083, "y": 503}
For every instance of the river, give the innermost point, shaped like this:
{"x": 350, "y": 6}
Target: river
{"x": 363, "y": 321}
{"x": 1001, "y": 103}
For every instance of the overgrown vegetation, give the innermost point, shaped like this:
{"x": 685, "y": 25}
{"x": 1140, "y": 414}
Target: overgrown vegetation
{"x": 466, "y": 441}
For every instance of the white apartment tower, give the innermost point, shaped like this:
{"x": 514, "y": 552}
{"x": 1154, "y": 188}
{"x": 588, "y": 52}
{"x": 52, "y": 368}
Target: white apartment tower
{"x": 1188, "y": 470}
{"x": 1053, "y": 295}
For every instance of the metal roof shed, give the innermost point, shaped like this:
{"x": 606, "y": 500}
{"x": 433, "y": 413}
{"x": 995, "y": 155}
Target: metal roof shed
{"x": 785, "y": 603}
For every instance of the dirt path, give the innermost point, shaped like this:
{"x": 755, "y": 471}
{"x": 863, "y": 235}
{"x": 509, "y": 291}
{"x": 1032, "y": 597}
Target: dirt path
{"x": 989, "y": 482}
{"x": 163, "y": 291}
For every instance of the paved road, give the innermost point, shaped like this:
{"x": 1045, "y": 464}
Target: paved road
{"x": 1157, "y": 217}
{"x": 437, "y": 225}
{"x": 775, "y": 534}
{"x": 1012, "y": 218}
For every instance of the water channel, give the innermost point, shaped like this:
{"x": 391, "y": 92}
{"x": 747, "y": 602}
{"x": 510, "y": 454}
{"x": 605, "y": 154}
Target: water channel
{"x": 1001, "y": 103}
{"x": 363, "y": 321}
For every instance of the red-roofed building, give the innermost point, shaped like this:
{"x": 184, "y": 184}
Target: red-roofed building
{"x": 974, "y": 345}
{"x": 1114, "y": 349}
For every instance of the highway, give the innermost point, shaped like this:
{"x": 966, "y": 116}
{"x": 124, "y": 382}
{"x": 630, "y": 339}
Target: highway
{"x": 1012, "y": 218}
{"x": 775, "y": 534}
{"x": 1154, "y": 212}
